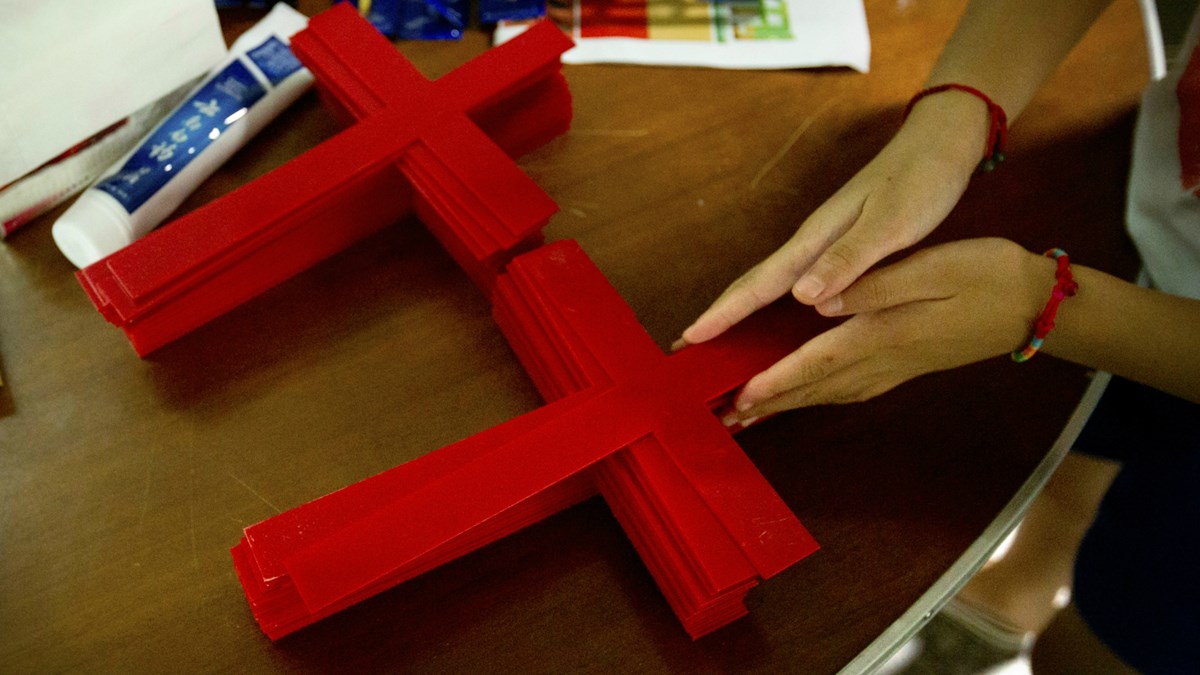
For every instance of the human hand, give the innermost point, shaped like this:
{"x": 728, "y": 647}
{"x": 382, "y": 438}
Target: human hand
{"x": 940, "y": 308}
{"x": 892, "y": 203}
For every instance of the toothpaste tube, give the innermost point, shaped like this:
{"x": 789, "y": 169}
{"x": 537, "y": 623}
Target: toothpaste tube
{"x": 66, "y": 175}
{"x": 257, "y": 80}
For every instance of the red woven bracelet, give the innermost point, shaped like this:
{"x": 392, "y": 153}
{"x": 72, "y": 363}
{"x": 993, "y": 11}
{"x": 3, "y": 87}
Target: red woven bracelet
{"x": 1064, "y": 287}
{"x": 993, "y": 150}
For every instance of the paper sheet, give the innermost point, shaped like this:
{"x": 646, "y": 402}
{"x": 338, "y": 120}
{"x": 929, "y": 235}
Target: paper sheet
{"x": 69, "y": 69}
{"x": 738, "y": 34}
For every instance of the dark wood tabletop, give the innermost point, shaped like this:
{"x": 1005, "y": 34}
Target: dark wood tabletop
{"x": 124, "y": 482}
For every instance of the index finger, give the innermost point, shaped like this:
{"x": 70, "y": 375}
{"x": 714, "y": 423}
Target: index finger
{"x": 777, "y": 273}
{"x": 816, "y": 360}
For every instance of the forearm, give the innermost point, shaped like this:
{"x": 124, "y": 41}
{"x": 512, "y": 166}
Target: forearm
{"x": 1144, "y": 335}
{"x": 1007, "y": 48}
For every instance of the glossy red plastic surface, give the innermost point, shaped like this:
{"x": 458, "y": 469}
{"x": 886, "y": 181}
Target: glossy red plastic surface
{"x": 624, "y": 418}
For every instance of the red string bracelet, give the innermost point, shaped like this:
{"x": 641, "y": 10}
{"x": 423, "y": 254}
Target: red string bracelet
{"x": 993, "y": 150}
{"x": 1064, "y": 287}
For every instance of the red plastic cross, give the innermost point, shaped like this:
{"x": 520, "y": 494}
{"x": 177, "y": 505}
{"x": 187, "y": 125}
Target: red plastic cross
{"x": 634, "y": 420}
{"x": 417, "y": 146}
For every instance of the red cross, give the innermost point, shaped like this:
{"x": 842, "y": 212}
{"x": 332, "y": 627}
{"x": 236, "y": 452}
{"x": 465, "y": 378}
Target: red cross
{"x": 416, "y": 146}
{"x": 638, "y": 423}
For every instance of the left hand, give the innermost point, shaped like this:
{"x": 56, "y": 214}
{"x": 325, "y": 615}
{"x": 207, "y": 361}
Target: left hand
{"x": 942, "y": 307}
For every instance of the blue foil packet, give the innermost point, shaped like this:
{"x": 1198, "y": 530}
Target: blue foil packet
{"x": 416, "y": 19}
{"x": 493, "y": 11}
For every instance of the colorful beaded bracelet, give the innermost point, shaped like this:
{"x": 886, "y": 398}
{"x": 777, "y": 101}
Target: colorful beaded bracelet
{"x": 1064, "y": 287}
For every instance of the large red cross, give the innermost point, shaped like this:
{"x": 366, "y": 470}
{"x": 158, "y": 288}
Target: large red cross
{"x": 416, "y": 146}
{"x": 627, "y": 418}
{"x": 623, "y": 418}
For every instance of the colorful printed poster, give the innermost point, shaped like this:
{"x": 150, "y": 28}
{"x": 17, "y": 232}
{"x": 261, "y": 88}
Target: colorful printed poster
{"x": 712, "y": 33}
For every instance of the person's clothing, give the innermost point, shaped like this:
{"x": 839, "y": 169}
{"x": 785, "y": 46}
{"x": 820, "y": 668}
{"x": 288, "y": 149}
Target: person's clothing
{"x": 1137, "y": 575}
{"x": 1163, "y": 208}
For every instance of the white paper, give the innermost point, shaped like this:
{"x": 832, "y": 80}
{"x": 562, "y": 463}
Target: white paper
{"x": 70, "y": 68}
{"x": 821, "y": 33}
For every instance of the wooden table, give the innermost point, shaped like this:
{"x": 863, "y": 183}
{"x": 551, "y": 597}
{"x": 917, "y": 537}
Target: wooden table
{"x": 124, "y": 482}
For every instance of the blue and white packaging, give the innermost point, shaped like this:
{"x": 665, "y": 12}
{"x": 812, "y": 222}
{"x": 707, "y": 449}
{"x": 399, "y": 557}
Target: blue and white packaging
{"x": 258, "y": 79}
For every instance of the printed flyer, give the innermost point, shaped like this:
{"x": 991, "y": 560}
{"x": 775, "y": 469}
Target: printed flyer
{"x": 747, "y": 34}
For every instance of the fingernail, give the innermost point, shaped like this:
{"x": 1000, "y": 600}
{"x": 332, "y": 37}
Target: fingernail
{"x": 734, "y": 420}
{"x": 807, "y": 289}
{"x": 678, "y": 344}
{"x": 831, "y": 306}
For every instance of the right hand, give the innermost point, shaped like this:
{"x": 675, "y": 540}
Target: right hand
{"x": 892, "y": 203}
{"x": 940, "y": 308}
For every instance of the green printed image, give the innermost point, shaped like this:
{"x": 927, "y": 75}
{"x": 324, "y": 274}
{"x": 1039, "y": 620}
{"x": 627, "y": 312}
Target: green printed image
{"x": 760, "y": 20}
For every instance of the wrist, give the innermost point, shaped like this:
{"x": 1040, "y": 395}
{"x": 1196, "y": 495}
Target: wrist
{"x": 953, "y": 125}
{"x": 1049, "y": 282}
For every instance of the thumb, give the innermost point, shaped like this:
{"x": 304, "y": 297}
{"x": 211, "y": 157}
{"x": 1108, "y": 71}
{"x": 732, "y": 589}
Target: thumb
{"x": 844, "y": 261}
{"x": 910, "y": 280}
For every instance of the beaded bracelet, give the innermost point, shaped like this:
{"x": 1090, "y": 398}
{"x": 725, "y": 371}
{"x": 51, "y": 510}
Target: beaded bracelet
{"x": 993, "y": 150}
{"x": 1064, "y": 287}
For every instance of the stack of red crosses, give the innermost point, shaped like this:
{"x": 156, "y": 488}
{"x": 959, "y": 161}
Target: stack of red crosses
{"x": 622, "y": 418}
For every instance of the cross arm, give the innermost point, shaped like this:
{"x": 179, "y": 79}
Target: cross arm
{"x": 355, "y": 64}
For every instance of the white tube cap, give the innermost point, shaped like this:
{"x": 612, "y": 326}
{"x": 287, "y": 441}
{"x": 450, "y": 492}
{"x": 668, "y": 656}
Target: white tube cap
{"x": 95, "y": 227}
